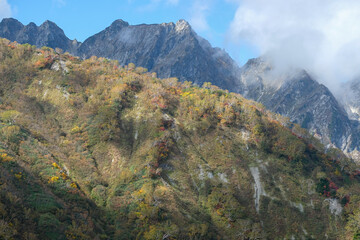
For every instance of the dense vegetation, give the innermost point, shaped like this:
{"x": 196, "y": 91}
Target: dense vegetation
{"x": 92, "y": 150}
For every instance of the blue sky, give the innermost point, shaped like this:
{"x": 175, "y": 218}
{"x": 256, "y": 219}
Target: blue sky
{"x": 80, "y": 19}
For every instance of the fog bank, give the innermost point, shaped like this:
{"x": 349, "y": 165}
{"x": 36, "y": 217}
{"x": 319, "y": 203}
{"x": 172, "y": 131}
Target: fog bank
{"x": 321, "y": 36}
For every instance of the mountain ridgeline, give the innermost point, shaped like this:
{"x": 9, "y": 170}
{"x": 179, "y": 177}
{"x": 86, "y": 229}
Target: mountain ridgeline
{"x": 170, "y": 50}
{"x": 48, "y": 34}
{"x": 90, "y": 149}
{"x": 175, "y": 50}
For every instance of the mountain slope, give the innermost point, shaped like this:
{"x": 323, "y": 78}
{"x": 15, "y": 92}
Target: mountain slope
{"x": 175, "y": 50}
{"x": 162, "y": 159}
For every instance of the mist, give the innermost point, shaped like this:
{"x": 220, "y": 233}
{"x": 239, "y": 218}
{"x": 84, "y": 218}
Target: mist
{"x": 5, "y": 9}
{"x": 320, "y": 36}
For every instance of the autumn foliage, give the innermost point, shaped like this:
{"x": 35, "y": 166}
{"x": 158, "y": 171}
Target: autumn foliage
{"x": 95, "y": 150}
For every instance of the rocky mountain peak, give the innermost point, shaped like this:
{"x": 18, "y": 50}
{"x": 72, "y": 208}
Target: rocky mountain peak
{"x": 258, "y": 63}
{"x": 169, "y": 49}
{"x": 119, "y": 23}
{"x": 31, "y": 25}
{"x": 182, "y": 26}
{"x": 47, "y": 34}
{"x": 9, "y": 27}
{"x": 48, "y": 23}
{"x": 51, "y": 26}
{"x": 11, "y": 21}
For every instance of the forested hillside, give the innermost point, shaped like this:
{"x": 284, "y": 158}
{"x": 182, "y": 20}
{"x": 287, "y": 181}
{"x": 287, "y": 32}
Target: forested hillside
{"x": 92, "y": 150}
{"x": 176, "y": 50}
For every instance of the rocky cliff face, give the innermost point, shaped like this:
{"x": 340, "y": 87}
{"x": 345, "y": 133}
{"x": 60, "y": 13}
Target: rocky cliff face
{"x": 47, "y": 34}
{"x": 171, "y": 50}
{"x": 297, "y": 95}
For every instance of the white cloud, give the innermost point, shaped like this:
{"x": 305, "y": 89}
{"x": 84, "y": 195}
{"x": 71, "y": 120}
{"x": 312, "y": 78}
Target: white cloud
{"x": 322, "y": 36}
{"x": 5, "y": 9}
{"x": 199, "y": 13}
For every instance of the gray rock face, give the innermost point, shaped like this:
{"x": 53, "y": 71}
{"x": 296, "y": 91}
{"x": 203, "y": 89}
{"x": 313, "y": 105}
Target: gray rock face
{"x": 350, "y": 98}
{"x": 297, "y": 95}
{"x": 47, "y": 34}
{"x": 170, "y": 50}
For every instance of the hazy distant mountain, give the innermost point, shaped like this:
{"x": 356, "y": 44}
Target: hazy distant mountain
{"x": 352, "y": 100}
{"x": 301, "y": 98}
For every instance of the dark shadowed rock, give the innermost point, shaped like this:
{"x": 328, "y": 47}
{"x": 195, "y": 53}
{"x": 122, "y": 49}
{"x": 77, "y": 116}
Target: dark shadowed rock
{"x": 10, "y": 28}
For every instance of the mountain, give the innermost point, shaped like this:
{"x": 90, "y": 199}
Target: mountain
{"x": 175, "y": 50}
{"x": 297, "y": 95}
{"x": 170, "y": 50}
{"x": 47, "y": 34}
{"x": 93, "y": 150}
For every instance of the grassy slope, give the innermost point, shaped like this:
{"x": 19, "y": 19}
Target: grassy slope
{"x": 117, "y": 153}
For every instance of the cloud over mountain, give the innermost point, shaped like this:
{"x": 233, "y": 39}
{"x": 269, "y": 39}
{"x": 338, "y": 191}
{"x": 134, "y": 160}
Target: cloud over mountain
{"x": 199, "y": 13}
{"x": 321, "y": 36}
